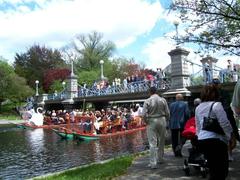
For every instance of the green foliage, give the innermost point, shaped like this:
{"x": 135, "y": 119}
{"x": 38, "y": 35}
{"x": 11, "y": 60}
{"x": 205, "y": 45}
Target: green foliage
{"x": 56, "y": 86}
{"x": 12, "y": 87}
{"x": 18, "y": 89}
{"x": 88, "y": 49}
{"x": 214, "y": 25}
{"x": 8, "y": 111}
{"x": 88, "y": 77}
{"x": 198, "y": 80}
{"x": 94, "y": 49}
{"x": 35, "y": 62}
{"x": 106, "y": 170}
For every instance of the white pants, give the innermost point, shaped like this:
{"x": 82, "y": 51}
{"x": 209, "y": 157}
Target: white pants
{"x": 156, "y": 130}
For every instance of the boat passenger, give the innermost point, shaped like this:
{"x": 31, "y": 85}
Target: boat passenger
{"x": 126, "y": 117}
{"x": 54, "y": 117}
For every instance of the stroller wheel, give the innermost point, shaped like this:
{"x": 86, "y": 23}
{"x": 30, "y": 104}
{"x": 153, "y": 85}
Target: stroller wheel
{"x": 203, "y": 172}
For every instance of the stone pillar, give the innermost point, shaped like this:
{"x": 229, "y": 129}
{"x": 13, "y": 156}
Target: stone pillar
{"x": 72, "y": 87}
{"x": 211, "y": 62}
{"x": 180, "y": 77}
{"x": 180, "y": 74}
{"x": 72, "y": 90}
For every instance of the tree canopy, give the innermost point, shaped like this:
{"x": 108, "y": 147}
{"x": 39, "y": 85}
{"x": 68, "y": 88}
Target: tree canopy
{"x": 33, "y": 64}
{"x": 91, "y": 49}
{"x": 51, "y": 75}
{"x": 213, "y": 24}
{"x": 88, "y": 49}
{"x": 12, "y": 87}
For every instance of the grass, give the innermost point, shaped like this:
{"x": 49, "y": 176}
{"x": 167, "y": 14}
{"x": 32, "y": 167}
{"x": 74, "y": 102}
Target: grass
{"x": 107, "y": 170}
{"x": 9, "y": 117}
{"x": 7, "y": 112}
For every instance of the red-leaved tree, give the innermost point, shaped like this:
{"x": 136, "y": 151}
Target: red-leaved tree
{"x": 52, "y": 75}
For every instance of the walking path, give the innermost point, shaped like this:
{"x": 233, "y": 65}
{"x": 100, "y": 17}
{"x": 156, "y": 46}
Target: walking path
{"x": 3, "y": 121}
{"x": 173, "y": 169}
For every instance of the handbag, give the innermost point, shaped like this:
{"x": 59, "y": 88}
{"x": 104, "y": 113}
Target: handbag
{"x": 212, "y": 124}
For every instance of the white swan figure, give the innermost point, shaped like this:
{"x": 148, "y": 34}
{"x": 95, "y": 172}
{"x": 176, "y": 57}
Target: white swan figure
{"x": 37, "y": 117}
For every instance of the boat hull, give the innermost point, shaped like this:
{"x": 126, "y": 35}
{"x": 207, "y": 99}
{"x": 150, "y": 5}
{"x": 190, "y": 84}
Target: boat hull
{"x": 86, "y": 137}
{"x": 63, "y": 135}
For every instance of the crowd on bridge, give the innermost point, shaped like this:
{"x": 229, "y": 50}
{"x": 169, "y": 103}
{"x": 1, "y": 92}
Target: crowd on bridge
{"x": 228, "y": 74}
{"x": 133, "y": 83}
{"x": 136, "y": 83}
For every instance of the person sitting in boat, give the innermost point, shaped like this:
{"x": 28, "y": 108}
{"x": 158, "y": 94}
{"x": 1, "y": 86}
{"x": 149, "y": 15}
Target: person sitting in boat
{"x": 72, "y": 116}
{"x": 61, "y": 116}
{"x": 98, "y": 121}
{"x": 37, "y": 117}
{"x": 117, "y": 123}
{"x": 113, "y": 115}
{"x": 54, "y": 117}
{"x": 126, "y": 118}
{"x": 86, "y": 123}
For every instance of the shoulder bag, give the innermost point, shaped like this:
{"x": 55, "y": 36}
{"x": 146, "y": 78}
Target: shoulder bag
{"x": 212, "y": 124}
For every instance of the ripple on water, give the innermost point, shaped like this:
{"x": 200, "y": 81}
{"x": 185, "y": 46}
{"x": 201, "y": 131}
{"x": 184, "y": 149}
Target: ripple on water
{"x": 29, "y": 153}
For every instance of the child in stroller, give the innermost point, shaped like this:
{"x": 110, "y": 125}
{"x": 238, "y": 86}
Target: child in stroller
{"x": 191, "y": 151}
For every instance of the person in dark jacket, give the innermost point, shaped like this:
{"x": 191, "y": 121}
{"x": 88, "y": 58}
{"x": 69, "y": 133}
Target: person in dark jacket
{"x": 179, "y": 114}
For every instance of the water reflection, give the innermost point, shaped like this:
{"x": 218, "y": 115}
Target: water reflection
{"x": 35, "y": 140}
{"x": 29, "y": 153}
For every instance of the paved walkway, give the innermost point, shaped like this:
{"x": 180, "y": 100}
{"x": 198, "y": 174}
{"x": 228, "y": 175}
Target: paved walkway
{"x": 173, "y": 169}
{"x": 3, "y": 121}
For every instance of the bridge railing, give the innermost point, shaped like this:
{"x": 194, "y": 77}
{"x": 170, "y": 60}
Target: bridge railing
{"x": 133, "y": 87}
{"x": 57, "y": 96}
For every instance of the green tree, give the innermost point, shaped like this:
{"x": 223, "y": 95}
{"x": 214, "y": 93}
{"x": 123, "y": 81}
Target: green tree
{"x": 36, "y": 61}
{"x": 198, "y": 80}
{"x": 90, "y": 49}
{"x": 213, "y": 24}
{"x": 122, "y": 67}
{"x": 56, "y": 86}
{"x": 12, "y": 87}
{"x": 87, "y": 50}
{"x": 88, "y": 77}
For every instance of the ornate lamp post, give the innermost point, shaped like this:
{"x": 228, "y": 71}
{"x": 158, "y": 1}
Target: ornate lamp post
{"x": 101, "y": 63}
{"x": 63, "y": 84}
{"x": 64, "y": 91}
{"x": 36, "y": 82}
{"x": 176, "y": 23}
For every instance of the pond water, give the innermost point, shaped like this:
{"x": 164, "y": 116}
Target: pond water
{"x": 29, "y": 153}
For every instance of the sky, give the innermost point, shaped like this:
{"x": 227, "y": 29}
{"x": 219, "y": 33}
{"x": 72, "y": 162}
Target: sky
{"x": 140, "y": 29}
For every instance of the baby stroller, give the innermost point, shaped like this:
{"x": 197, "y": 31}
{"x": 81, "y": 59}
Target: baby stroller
{"x": 191, "y": 150}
